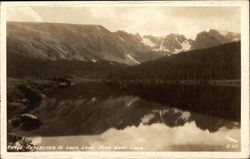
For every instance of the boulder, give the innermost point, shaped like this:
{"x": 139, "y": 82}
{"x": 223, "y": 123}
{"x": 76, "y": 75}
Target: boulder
{"x": 27, "y": 122}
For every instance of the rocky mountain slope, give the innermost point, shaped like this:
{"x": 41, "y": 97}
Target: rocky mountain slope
{"x": 51, "y": 41}
{"x": 214, "y": 38}
{"x": 176, "y": 43}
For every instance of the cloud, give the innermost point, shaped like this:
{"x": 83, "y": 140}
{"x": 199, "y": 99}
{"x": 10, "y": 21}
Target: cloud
{"x": 23, "y": 14}
{"x": 203, "y": 12}
{"x": 158, "y": 21}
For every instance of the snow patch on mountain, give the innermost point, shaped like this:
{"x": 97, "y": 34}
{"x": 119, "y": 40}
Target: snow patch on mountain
{"x": 148, "y": 42}
{"x": 147, "y": 118}
{"x": 161, "y": 48}
{"x": 224, "y": 33}
{"x": 131, "y": 58}
{"x": 185, "y": 45}
{"x": 121, "y": 38}
{"x": 185, "y": 116}
{"x": 176, "y": 51}
{"x": 133, "y": 100}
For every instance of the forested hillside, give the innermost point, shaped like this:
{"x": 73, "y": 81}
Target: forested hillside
{"x": 215, "y": 63}
{"x": 19, "y": 66}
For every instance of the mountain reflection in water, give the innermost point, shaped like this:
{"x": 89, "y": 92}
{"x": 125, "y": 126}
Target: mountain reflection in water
{"x": 103, "y": 114}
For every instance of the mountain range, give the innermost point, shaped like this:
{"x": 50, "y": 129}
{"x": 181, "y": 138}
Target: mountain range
{"x": 176, "y": 43}
{"x": 93, "y": 43}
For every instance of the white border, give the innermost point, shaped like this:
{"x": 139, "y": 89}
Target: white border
{"x": 244, "y": 84}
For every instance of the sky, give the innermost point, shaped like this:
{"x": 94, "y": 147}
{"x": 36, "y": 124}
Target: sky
{"x": 157, "y": 21}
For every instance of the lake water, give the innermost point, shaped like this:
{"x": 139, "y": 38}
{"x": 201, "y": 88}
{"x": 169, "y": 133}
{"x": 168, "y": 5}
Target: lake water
{"x": 139, "y": 117}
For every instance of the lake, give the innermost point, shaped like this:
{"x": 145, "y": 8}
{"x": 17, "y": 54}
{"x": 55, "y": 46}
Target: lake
{"x": 98, "y": 116}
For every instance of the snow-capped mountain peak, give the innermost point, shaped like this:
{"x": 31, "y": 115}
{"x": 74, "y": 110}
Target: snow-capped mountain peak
{"x": 176, "y": 43}
{"x": 173, "y": 43}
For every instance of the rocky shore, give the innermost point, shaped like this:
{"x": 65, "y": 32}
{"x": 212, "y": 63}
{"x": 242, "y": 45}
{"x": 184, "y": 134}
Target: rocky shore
{"x": 24, "y": 95}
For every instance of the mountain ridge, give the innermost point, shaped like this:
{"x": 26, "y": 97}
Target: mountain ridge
{"x": 52, "y": 41}
{"x": 176, "y": 43}
{"x": 68, "y": 41}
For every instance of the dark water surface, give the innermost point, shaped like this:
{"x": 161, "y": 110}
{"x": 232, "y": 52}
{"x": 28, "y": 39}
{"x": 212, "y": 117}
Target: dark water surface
{"x": 140, "y": 117}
